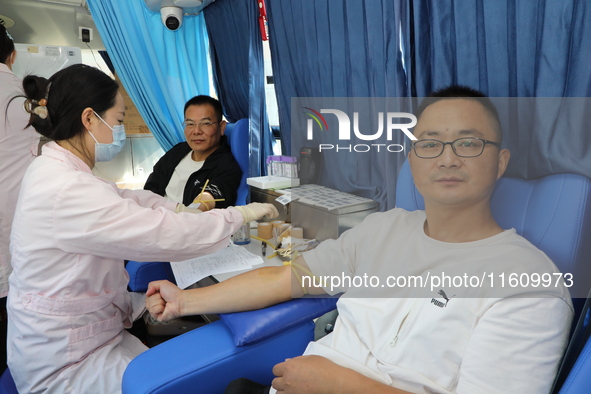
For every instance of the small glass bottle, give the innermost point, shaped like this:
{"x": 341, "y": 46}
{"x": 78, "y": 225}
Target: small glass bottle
{"x": 242, "y": 236}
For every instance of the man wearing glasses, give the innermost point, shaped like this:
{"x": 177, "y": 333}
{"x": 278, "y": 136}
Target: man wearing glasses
{"x": 448, "y": 339}
{"x": 201, "y": 172}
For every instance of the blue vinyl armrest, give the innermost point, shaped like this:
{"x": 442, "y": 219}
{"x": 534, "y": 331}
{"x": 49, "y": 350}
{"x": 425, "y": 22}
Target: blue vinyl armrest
{"x": 141, "y": 274}
{"x": 246, "y": 327}
{"x": 205, "y": 360}
{"x": 254, "y": 326}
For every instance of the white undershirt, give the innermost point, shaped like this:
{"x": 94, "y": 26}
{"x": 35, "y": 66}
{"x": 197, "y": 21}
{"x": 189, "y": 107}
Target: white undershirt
{"x": 178, "y": 180}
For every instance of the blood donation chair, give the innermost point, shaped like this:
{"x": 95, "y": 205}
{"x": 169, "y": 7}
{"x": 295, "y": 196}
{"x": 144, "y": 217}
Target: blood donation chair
{"x": 575, "y": 373}
{"x": 553, "y": 212}
{"x": 238, "y": 138}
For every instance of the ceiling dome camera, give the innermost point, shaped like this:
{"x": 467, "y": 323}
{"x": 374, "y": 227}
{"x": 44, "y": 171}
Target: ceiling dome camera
{"x": 172, "y": 17}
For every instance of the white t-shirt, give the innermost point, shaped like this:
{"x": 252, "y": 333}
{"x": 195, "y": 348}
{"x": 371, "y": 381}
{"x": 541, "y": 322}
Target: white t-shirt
{"x": 178, "y": 180}
{"x": 442, "y": 339}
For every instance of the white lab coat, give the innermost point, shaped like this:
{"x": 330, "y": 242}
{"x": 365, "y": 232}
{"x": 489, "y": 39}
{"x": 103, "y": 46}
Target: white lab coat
{"x": 18, "y": 147}
{"x": 68, "y": 304}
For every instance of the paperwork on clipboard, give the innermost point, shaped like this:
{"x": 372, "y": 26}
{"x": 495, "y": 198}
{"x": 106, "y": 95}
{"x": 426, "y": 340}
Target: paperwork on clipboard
{"x": 231, "y": 258}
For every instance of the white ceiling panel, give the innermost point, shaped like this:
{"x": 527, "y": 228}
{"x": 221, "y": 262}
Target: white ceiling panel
{"x": 50, "y": 22}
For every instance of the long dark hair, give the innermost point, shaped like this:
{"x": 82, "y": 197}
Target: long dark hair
{"x": 6, "y": 44}
{"x": 67, "y": 93}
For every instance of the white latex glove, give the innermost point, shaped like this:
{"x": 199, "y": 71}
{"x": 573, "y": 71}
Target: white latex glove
{"x": 181, "y": 208}
{"x": 256, "y": 211}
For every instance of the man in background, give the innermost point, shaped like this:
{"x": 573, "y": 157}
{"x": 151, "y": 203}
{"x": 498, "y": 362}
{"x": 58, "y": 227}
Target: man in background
{"x": 203, "y": 166}
{"x": 18, "y": 147}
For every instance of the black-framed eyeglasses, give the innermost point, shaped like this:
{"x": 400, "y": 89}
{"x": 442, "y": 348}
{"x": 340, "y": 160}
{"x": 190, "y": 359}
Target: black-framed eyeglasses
{"x": 205, "y": 125}
{"x": 462, "y": 147}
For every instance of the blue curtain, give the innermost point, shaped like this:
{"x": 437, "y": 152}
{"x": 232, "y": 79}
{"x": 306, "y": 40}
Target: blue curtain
{"x": 160, "y": 69}
{"x": 350, "y": 48}
{"x": 238, "y": 68}
{"x": 534, "y": 49}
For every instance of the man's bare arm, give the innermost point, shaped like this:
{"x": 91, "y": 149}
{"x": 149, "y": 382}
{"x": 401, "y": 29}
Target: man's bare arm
{"x": 252, "y": 290}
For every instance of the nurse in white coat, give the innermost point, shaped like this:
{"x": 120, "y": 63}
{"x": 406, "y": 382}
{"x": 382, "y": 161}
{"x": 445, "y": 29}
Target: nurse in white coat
{"x": 68, "y": 304}
{"x": 18, "y": 147}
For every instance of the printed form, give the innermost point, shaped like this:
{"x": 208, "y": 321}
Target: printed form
{"x": 231, "y": 258}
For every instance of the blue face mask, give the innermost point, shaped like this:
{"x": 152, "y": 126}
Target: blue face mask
{"x": 106, "y": 152}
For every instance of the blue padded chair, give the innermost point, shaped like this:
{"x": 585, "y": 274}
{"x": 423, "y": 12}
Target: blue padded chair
{"x": 575, "y": 373}
{"x": 238, "y": 138}
{"x": 552, "y": 212}
{"x": 7, "y": 384}
{"x": 579, "y": 379}
{"x": 246, "y": 344}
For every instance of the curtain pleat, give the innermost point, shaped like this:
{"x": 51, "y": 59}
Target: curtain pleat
{"x": 537, "y": 50}
{"x": 351, "y": 48}
{"x": 238, "y": 68}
